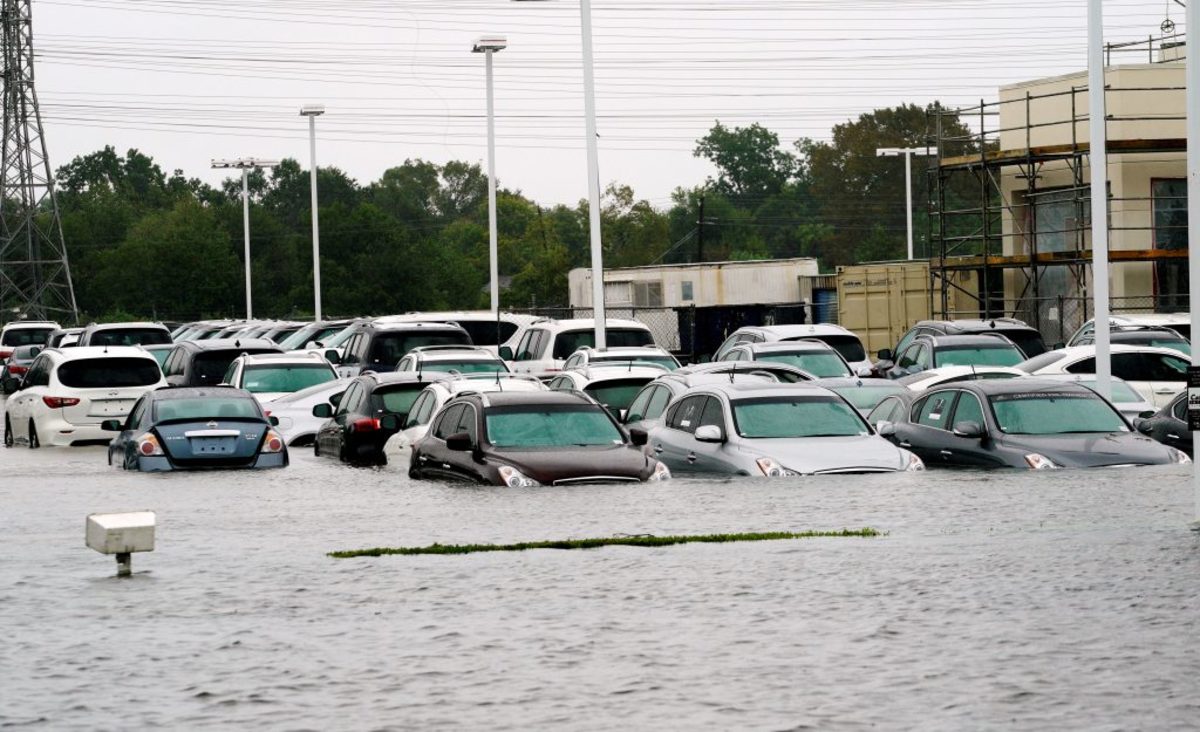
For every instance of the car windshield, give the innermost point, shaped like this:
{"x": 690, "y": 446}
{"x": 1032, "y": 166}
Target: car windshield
{"x": 339, "y": 338}
{"x": 308, "y": 334}
{"x": 26, "y": 336}
{"x": 848, "y": 346}
{"x": 796, "y": 416}
{"x": 290, "y": 377}
{"x": 206, "y": 408}
{"x": 998, "y": 355}
{"x": 616, "y": 394}
{"x": 466, "y": 367}
{"x": 1054, "y": 413}
{"x": 160, "y": 354}
{"x": 818, "y": 363}
{"x": 551, "y": 426}
{"x": 667, "y": 362}
{"x": 399, "y": 398}
{"x": 570, "y": 341}
{"x": 109, "y": 373}
{"x": 866, "y": 397}
{"x": 129, "y": 337}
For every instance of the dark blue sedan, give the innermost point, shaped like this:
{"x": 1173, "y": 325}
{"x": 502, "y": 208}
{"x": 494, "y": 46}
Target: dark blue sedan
{"x": 196, "y": 427}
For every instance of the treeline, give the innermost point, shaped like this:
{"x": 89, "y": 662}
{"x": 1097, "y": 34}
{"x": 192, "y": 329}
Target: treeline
{"x": 144, "y": 243}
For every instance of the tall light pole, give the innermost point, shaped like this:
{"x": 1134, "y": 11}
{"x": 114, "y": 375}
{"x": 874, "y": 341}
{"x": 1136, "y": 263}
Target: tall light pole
{"x": 488, "y": 46}
{"x": 907, "y": 152}
{"x": 593, "y": 160}
{"x": 312, "y": 111}
{"x": 246, "y": 165}
{"x": 1098, "y": 163}
{"x": 1193, "y": 192}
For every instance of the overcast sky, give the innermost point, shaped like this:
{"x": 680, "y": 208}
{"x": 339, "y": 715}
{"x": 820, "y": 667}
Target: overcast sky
{"x": 189, "y": 80}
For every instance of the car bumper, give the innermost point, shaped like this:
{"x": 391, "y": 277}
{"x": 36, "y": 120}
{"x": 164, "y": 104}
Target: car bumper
{"x": 61, "y": 433}
{"x": 161, "y": 463}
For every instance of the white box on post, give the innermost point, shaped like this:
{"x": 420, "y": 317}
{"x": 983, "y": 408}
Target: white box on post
{"x": 121, "y": 534}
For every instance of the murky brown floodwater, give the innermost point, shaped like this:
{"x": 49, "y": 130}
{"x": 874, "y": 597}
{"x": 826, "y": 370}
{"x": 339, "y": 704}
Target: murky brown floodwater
{"x": 1017, "y": 600}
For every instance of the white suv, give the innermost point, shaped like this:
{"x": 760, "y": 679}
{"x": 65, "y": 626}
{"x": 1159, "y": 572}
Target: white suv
{"x": 25, "y": 333}
{"x": 269, "y": 376}
{"x": 66, "y": 395}
{"x": 640, "y": 355}
{"x": 462, "y": 359}
{"x": 612, "y": 384}
{"x": 548, "y": 343}
{"x": 1181, "y": 323}
{"x": 845, "y": 342}
{"x": 485, "y": 327}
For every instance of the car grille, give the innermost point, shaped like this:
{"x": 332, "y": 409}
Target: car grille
{"x": 596, "y": 479}
{"x": 833, "y": 471}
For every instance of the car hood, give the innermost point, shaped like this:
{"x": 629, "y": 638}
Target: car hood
{"x": 1090, "y": 450}
{"x": 582, "y": 464}
{"x": 856, "y": 453}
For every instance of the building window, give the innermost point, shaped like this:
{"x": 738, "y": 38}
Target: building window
{"x": 1170, "y": 232}
{"x": 686, "y": 295}
{"x": 1058, "y": 218}
{"x": 617, "y": 293}
{"x": 647, "y": 294}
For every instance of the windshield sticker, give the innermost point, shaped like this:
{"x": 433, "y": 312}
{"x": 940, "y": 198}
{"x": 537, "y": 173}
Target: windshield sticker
{"x": 1040, "y": 395}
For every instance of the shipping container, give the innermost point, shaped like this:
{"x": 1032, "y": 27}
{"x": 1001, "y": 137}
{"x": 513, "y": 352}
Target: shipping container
{"x": 754, "y": 282}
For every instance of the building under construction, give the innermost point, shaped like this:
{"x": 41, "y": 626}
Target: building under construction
{"x": 1010, "y": 212}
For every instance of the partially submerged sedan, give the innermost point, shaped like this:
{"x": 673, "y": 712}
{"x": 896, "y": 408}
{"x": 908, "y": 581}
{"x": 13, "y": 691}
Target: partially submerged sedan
{"x": 525, "y": 439}
{"x": 189, "y": 428}
{"x": 771, "y": 430}
{"x": 1020, "y": 423}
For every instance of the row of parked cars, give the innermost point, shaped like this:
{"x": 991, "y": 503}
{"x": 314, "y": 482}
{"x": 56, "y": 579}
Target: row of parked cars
{"x": 777, "y": 400}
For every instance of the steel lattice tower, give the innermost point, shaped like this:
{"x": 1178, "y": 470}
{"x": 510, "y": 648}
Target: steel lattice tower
{"x": 35, "y": 279}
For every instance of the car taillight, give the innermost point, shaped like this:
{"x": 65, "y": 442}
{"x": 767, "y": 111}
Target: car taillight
{"x": 273, "y": 443}
{"x": 14, "y": 369}
{"x": 4, "y": 354}
{"x": 147, "y": 445}
{"x": 59, "y": 402}
{"x": 367, "y": 424}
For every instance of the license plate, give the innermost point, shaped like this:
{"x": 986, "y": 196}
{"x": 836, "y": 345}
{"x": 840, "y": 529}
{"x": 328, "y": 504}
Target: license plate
{"x": 109, "y": 409}
{"x": 212, "y": 445}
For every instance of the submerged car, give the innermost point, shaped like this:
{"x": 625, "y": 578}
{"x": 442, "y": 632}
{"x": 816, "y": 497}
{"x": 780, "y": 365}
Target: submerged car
{"x": 1021, "y": 423}
{"x": 369, "y": 412}
{"x": 525, "y": 439}
{"x": 1169, "y": 425}
{"x": 771, "y": 430}
{"x": 189, "y": 428}
{"x": 12, "y": 371}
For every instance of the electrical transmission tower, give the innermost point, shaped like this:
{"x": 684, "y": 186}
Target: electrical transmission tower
{"x": 35, "y": 279}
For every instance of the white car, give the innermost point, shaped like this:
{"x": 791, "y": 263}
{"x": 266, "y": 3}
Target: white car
{"x": 548, "y": 343}
{"x": 460, "y": 359}
{"x": 1181, "y": 323}
{"x": 930, "y": 378}
{"x": 25, "y": 333}
{"x": 297, "y": 425}
{"x": 66, "y": 395}
{"x": 613, "y": 385}
{"x": 587, "y": 355}
{"x": 844, "y": 341}
{"x": 488, "y": 330}
{"x": 1158, "y": 374}
{"x": 269, "y": 376}
{"x": 431, "y": 399}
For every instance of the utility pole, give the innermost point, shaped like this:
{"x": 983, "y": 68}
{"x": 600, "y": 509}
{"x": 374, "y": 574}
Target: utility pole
{"x": 700, "y": 233}
{"x": 35, "y": 276}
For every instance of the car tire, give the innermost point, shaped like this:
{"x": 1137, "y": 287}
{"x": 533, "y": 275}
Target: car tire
{"x": 8, "y": 435}
{"x": 34, "y": 442}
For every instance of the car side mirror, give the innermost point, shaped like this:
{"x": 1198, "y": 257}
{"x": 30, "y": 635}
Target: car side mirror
{"x": 885, "y": 354}
{"x": 865, "y": 372}
{"x": 885, "y": 428}
{"x": 273, "y": 420}
{"x": 639, "y": 437}
{"x": 1058, "y": 345}
{"x": 111, "y": 425}
{"x": 1146, "y": 414}
{"x": 35, "y": 351}
{"x": 1142, "y": 426}
{"x": 336, "y": 399}
{"x": 506, "y": 353}
{"x": 709, "y": 433}
{"x": 389, "y": 423}
{"x": 332, "y": 356}
{"x": 324, "y": 411}
{"x": 459, "y": 442}
{"x": 969, "y": 429}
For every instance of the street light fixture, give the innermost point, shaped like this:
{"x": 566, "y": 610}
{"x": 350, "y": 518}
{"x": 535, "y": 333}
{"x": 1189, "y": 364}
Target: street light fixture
{"x": 907, "y": 152}
{"x": 488, "y": 46}
{"x": 312, "y": 111}
{"x": 246, "y": 165}
{"x": 593, "y": 159}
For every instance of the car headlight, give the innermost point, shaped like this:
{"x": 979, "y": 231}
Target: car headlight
{"x": 1178, "y": 456}
{"x": 911, "y": 462}
{"x": 273, "y": 442}
{"x": 1040, "y": 462}
{"x": 661, "y": 472}
{"x": 514, "y": 478}
{"x": 147, "y": 445}
{"x": 772, "y": 469}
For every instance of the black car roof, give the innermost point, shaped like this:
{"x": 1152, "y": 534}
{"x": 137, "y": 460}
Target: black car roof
{"x": 199, "y": 392}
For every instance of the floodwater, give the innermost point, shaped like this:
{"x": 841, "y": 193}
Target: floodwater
{"x": 1018, "y": 600}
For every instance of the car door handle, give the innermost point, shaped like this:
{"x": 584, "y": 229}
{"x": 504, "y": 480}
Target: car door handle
{"x": 905, "y": 443}
{"x": 657, "y": 449}
{"x": 423, "y": 458}
{"x": 691, "y": 458}
{"x": 1172, "y": 437}
{"x": 1165, "y": 390}
{"x": 946, "y": 452}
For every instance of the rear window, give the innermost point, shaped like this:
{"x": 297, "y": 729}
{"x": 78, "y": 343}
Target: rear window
{"x": 109, "y": 373}
{"x": 285, "y": 377}
{"x": 848, "y": 346}
{"x": 399, "y": 398}
{"x": 1029, "y": 341}
{"x": 210, "y": 366}
{"x": 483, "y": 332}
{"x": 129, "y": 337}
{"x": 26, "y": 336}
{"x": 571, "y": 341}
{"x": 206, "y": 408}
{"x": 998, "y": 355}
{"x": 389, "y": 348}
{"x": 616, "y": 394}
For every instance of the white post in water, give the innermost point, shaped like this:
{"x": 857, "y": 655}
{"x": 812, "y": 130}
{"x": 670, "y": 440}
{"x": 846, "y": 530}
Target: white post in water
{"x": 312, "y": 111}
{"x": 1193, "y": 193}
{"x": 1098, "y": 163}
{"x": 489, "y": 46}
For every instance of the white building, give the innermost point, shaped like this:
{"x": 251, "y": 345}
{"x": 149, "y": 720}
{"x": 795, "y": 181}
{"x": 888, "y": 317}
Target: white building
{"x": 752, "y": 282}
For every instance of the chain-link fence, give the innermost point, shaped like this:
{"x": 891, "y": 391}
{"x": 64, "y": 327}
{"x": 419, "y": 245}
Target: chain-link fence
{"x": 1057, "y": 318}
{"x": 664, "y": 323}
